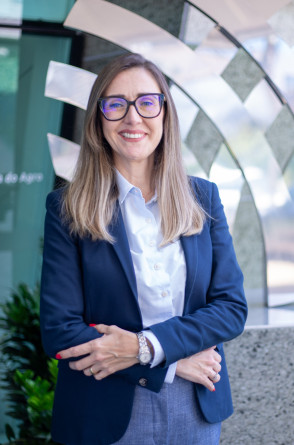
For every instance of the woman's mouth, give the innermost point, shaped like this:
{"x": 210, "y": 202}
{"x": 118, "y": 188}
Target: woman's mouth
{"x": 134, "y": 136}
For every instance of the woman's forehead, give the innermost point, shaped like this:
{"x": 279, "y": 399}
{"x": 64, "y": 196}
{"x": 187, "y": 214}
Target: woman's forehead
{"x": 132, "y": 82}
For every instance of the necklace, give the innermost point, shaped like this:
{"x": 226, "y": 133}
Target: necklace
{"x": 148, "y": 196}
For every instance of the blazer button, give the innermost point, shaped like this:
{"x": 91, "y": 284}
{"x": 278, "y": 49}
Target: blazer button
{"x": 143, "y": 382}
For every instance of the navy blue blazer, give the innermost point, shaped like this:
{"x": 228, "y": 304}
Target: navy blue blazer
{"x": 87, "y": 282}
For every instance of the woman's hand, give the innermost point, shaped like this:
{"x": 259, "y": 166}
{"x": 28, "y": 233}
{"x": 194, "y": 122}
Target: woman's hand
{"x": 117, "y": 349}
{"x": 202, "y": 368}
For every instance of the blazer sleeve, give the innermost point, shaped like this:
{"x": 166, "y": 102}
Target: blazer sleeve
{"x": 224, "y": 313}
{"x": 62, "y": 309}
{"x": 63, "y": 314}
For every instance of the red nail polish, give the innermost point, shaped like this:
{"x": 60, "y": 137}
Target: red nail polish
{"x": 58, "y": 356}
{"x": 92, "y": 325}
{"x": 213, "y": 389}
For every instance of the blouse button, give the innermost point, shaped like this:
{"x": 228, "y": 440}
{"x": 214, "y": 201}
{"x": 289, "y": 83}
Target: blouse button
{"x": 152, "y": 243}
{"x": 156, "y": 266}
{"x": 164, "y": 293}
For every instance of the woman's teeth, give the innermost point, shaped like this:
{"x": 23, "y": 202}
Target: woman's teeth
{"x": 132, "y": 135}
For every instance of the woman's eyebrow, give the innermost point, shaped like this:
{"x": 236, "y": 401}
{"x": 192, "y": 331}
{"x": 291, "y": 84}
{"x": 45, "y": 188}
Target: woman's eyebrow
{"x": 124, "y": 96}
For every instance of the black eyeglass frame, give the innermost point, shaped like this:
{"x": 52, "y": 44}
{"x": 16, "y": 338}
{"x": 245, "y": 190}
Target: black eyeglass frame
{"x": 132, "y": 102}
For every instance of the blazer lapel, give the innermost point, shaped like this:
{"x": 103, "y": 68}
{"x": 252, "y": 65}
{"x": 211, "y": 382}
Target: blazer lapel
{"x": 122, "y": 248}
{"x": 190, "y": 248}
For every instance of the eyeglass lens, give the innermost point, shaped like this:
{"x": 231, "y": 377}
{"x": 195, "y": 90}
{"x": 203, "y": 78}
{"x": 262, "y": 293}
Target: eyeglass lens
{"x": 115, "y": 108}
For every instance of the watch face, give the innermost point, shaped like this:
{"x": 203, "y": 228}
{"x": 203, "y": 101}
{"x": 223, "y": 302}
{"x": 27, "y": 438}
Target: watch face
{"x": 145, "y": 357}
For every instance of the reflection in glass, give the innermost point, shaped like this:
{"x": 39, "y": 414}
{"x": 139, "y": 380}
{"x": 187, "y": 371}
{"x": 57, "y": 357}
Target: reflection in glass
{"x": 11, "y": 12}
{"x": 281, "y": 252}
{"x": 64, "y": 155}
{"x": 26, "y": 173}
{"x": 69, "y": 84}
{"x": 282, "y": 23}
{"x": 263, "y": 105}
{"x": 255, "y": 26}
{"x": 191, "y": 163}
{"x": 228, "y": 176}
{"x": 213, "y": 49}
{"x": 276, "y": 57}
{"x": 186, "y": 108}
{"x": 52, "y": 11}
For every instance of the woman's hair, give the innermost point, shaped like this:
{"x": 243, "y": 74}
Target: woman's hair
{"x": 90, "y": 198}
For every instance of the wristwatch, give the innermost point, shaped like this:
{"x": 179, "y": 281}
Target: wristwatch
{"x": 144, "y": 355}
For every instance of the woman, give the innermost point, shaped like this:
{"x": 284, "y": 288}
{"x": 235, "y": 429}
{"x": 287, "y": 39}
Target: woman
{"x": 140, "y": 284}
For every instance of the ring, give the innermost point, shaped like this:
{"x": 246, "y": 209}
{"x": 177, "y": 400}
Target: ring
{"x": 91, "y": 371}
{"x": 215, "y": 376}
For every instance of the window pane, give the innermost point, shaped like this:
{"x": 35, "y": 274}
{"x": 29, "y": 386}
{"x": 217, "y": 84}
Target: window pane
{"x": 26, "y": 173}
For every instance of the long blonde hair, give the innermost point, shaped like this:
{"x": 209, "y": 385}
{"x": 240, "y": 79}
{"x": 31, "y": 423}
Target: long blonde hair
{"x": 90, "y": 198}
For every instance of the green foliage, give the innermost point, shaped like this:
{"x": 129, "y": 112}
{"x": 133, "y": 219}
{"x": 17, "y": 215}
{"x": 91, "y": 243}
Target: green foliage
{"x": 29, "y": 375}
{"x": 39, "y": 397}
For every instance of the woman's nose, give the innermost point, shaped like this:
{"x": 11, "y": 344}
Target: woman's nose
{"x": 132, "y": 115}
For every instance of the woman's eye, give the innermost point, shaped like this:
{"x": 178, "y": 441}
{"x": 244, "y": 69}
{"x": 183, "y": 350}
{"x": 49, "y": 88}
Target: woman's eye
{"x": 115, "y": 105}
{"x": 146, "y": 104}
{"x": 148, "y": 101}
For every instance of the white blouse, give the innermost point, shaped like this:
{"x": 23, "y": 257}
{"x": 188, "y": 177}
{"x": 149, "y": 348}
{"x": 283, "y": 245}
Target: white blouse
{"x": 160, "y": 271}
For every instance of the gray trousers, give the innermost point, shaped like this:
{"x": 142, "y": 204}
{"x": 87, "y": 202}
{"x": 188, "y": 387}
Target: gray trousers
{"x": 170, "y": 417}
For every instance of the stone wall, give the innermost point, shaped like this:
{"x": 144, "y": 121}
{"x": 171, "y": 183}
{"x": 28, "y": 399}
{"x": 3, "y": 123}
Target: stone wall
{"x": 261, "y": 367}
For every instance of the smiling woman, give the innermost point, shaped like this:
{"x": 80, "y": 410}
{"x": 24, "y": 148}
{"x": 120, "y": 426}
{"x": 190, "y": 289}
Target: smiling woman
{"x": 132, "y": 137}
{"x": 153, "y": 144}
{"x": 140, "y": 283}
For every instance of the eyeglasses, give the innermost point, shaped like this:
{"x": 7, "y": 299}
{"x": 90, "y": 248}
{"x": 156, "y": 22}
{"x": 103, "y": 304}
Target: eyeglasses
{"x": 147, "y": 106}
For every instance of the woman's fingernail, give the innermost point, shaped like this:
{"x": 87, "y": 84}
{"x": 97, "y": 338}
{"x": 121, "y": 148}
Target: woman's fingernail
{"x": 92, "y": 325}
{"x": 58, "y": 356}
{"x": 213, "y": 389}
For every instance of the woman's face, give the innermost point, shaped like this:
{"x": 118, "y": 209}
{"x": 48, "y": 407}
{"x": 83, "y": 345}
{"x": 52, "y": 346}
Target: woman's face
{"x": 134, "y": 138}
